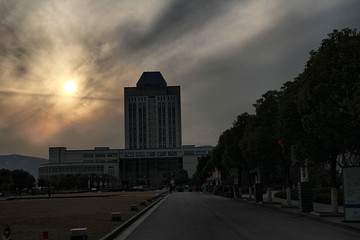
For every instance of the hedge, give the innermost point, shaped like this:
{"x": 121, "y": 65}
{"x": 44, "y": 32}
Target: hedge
{"x": 320, "y": 195}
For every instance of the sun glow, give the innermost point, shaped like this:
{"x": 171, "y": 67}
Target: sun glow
{"x": 69, "y": 87}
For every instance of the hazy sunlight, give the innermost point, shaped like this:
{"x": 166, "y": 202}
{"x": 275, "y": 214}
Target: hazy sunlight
{"x": 69, "y": 87}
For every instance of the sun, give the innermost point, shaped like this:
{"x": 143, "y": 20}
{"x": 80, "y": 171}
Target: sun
{"x": 69, "y": 87}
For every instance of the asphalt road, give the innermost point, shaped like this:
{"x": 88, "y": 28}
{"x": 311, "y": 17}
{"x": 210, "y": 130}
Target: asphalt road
{"x": 203, "y": 216}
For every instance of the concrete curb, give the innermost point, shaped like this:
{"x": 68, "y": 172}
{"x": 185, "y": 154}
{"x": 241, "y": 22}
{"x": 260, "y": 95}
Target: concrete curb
{"x": 126, "y": 224}
{"x": 311, "y": 216}
{"x": 55, "y": 197}
{"x": 12, "y": 198}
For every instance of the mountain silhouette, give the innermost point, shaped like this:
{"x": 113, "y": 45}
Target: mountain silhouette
{"x": 19, "y": 162}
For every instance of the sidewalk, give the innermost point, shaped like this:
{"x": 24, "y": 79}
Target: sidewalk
{"x": 322, "y": 212}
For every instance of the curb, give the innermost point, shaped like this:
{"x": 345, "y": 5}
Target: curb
{"x": 69, "y": 196}
{"x": 311, "y": 216}
{"x": 126, "y": 224}
{"x": 54, "y": 197}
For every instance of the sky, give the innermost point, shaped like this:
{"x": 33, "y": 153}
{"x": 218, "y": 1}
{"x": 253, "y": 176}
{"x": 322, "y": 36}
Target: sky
{"x": 223, "y": 54}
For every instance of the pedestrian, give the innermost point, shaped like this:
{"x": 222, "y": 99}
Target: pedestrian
{"x": 171, "y": 189}
{"x": 7, "y": 233}
{"x": 49, "y": 193}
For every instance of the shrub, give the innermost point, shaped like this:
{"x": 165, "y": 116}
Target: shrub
{"x": 245, "y": 189}
{"x": 282, "y": 194}
{"x": 320, "y": 195}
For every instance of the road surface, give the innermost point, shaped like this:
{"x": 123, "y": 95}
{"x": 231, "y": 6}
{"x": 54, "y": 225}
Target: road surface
{"x": 193, "y": 215}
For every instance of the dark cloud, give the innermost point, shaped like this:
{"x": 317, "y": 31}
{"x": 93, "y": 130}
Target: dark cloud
{"x": 177, "y": 19}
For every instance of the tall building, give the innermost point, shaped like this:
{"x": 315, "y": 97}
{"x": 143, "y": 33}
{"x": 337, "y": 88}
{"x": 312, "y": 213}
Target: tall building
{"x": 153, "y": 146}
{"x": 152, "y": 114}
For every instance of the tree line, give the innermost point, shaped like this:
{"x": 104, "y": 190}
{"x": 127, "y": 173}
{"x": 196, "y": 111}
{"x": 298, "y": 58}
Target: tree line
{"x": 22, "y": 182}
{"x": 315, "y": 117}
{"x": 15, "y": 181}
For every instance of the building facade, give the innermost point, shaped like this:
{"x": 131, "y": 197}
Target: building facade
{"x": 152, "y": 114}
{"x": 153, "y": 142}
{"x": 123, "y": 167}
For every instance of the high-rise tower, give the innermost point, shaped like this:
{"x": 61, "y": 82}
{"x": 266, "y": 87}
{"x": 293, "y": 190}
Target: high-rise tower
{"x": 152, "y": 114}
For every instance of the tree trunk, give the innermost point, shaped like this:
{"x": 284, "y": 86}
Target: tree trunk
{"x": 269, "y": 193}
{"x": 240, "y": 192}
{"x": 250, "y": 193}
{"x": 240, "y": 184}
{"x": 334, "y": 202}
{"x": 288, "y": 196}
{"x": 287, "y": 186}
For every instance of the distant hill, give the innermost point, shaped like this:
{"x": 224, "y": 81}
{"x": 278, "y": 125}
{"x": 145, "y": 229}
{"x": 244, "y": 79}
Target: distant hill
{"x": 26, "y": 163}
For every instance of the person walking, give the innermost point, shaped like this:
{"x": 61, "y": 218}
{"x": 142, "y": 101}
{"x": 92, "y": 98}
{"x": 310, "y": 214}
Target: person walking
{"x": 7, "y": 233}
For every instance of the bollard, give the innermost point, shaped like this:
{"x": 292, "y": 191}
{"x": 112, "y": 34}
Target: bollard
{"x": 305, "y": 197}
{"x": 258, "y": 192}
{"x": 45, "y": 236}
{"x": 7, "y": 233}
{"x": 116, "y": 216}
{"x": 78, "y": 234}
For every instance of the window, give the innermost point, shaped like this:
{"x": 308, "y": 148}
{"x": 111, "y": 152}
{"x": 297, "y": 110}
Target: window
{"x": 188, "y": 153}
{"x": 129, "y": 154}
{"x": 112, "y": 161}
{"x": 150, "y": 154}
{"x": 100, "y": 155}
{"x": 200, "y": 152}
{"x": 140, "y": 154}
{"x": 161, "y": 154}
{"x": 112, "y": 155}
{"x": 172, "y": 153}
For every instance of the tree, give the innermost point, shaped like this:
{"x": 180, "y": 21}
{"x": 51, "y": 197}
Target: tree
{"x": 289, "y": 130}
{"x": 259, "y": 143}
{"x": 288, "y": 119}
{"x": 5, "y": 180}
{"x": 82, "y": 181}
{"x": 329, "y": 98}
{"x": 218, "y": 151}
{"x": 203, "y": 167}
{"x": 22, "y": 179}
{"x": 232, "y": 156}
{"x": 181, "y": 177}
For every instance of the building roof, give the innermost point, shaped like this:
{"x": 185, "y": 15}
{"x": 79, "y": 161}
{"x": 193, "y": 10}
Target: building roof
{"x": 151, "y": 78}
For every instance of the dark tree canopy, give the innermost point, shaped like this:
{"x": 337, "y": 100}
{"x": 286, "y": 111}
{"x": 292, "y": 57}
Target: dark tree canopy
{"x": 259, "y": 143}
{"x": 318, "y": 114}
{"x": 181, "y": 177}
{"x": 16, "y": 180}
{"x": 329, "y": 99}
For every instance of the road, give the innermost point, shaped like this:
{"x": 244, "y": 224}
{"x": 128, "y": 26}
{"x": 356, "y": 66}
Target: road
{"x": 188, "y": 215}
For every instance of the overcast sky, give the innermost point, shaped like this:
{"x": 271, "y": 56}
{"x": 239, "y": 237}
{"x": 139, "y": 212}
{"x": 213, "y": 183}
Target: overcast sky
{"x": 223, "y": 54}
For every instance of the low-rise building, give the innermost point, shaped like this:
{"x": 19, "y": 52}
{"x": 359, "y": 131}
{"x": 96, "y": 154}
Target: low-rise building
{"x": 123, "y": 167}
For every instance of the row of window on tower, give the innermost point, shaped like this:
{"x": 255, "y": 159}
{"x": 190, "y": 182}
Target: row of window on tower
{"x": 144, "y": 98}
{"x": 166, "y": 124}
